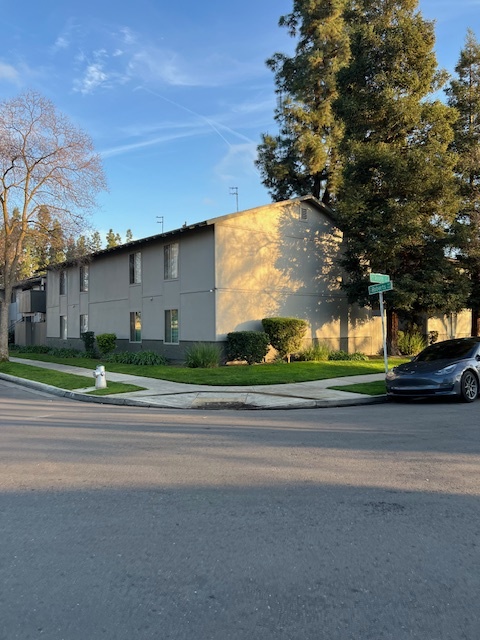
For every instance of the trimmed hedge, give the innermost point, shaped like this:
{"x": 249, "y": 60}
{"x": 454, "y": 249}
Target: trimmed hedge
{"x": 285, "y": 334}
{"x": 106, "y": 343}
{"x": 251, "y": 346}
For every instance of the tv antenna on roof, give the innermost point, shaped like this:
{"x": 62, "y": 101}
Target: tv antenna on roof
{"x": 160, "y": 221}
{"x": 234, "y": 192}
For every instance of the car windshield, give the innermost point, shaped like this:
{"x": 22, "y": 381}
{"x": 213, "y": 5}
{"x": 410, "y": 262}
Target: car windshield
{"x": 449, "y": 350}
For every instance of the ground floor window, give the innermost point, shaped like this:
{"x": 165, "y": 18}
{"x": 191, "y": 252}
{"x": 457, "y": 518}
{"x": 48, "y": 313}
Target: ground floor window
{"x": 135, "y": 326}
{"x": 83, "y": 323}
{"x": 171, "y": 326}
{"x": 63, "y": 327}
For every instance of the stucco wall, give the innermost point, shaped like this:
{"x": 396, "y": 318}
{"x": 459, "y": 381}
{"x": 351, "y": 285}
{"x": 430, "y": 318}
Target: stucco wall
{"x": 111, "y": 298}
{"x": 454, "y": 325}
{"x": 273, "y": 262}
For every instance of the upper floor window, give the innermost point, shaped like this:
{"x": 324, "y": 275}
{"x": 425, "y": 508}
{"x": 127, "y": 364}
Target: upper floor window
{"x": 135, "y": 264}
{"x": 63, "y": 283}
{"x": 84, "y": 277}
{"x": 170, "y": 261}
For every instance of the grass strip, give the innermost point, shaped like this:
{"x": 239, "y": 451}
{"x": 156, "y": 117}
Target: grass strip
{"x": 236, "y": 375}
{"x": 68, "y": 381}
{"x": 368, "y": 388}
{"x": 115, "y": 387}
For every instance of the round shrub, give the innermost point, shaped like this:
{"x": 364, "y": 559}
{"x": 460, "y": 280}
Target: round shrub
{"x": 251, "y": 346}
{"x": 285, "y": 334}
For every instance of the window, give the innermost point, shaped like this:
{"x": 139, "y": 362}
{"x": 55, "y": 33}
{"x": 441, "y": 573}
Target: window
{"x": 63, "y": 283}
{"x": 135, "y": 326}
{"x": 171, "y": 326}
{"x": 135, "y": 262}
{"x": 84, "y": 277}
{"x": 63, "y": 327}
{"x": 303, "y": 214}
{"x": 170, "y": 261}
{"x": 83, "y": 323}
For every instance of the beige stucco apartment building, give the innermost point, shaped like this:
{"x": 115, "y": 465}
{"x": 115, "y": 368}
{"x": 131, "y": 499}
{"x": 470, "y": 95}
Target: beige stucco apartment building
{"x": 200, "y": 282}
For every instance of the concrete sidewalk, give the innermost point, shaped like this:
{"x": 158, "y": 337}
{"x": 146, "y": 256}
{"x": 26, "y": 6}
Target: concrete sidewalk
{"x": 173, "y": 395}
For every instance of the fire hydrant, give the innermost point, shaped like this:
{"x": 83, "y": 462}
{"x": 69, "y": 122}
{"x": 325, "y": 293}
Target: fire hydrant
{"x": 100, "y": 379}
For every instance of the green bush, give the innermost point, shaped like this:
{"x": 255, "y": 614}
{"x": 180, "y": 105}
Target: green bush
{"x": 411, "y": 342}
{"x": 139, "y": 358}
{"x": 318, "y": 352}
{"x": 65, "y": 352}
{"x": 203, "y": 356}
{"x": 88, "y": 338}
{"x": 106, "y": 343}
{"x": 251, "y": 346}
{"x": 34, "y": 348}
{"x": 285, "y": 334}
{"x": 343, "y": 355}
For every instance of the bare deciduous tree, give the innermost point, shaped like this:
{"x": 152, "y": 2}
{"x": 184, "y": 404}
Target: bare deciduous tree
{"x": 45, "y": 161}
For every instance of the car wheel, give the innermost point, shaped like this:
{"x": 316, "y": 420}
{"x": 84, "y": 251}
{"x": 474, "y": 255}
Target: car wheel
{"x": 469, "y": 387}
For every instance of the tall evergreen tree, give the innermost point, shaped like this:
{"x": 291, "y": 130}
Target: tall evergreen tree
{"x": 303, "y": 158}
{"x": 464, "y": 94}
{"x": 113, "y": 239}
{"x": 398, "y": 194}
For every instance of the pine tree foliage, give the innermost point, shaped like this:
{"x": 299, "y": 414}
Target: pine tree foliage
{"x": 303, "y": 158}
{"x": 398, "y": 197}
{"x": 464, "y": 95}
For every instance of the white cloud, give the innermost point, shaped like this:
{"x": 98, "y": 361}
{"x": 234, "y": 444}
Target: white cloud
{"x": 8, "y": 72}
{"x": 125, "y": 56}
{"x": 151, "y": 141}
{"x": 93, "y": 77}
{"x": 61, "y": 43}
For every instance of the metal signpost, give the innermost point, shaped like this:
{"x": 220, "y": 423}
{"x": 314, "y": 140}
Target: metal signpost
{"x": 382, "y": 283}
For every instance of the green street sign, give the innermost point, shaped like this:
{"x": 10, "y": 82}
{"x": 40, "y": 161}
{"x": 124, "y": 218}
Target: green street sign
{"x": 378, "y": 288}
{"x": 379, "y": 277}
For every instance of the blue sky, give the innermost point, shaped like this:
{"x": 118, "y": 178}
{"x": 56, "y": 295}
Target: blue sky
{"x": 174, "y": 94}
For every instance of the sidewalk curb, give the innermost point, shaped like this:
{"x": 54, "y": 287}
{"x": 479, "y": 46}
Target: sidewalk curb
{"x": 214, "y": 405}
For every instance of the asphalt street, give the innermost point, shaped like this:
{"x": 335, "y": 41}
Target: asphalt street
{"x": 350, "y": 523}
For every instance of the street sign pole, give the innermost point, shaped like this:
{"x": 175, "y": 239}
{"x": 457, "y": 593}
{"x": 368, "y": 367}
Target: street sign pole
{"x": 384, "y": 334}
{"x": 382, "y": 283}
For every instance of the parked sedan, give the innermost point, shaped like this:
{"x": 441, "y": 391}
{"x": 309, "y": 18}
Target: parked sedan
{"x": 449, "y": 368}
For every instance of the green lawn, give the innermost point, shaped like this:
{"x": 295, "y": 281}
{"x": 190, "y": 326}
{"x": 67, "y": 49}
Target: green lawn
{"x": 368, "y": 388}
{"x": 62, "y": 380}
{"x": 234, "y": 375}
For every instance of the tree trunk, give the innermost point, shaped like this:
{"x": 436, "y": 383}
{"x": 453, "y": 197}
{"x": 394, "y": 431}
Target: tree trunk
{"x": 4, "y": 308}
{"x": 475, "y": 329}
{"x": 392, "y": 332}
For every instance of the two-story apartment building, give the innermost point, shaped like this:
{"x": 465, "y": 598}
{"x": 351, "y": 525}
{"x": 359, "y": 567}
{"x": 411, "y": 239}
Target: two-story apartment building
{"x": 200, "y": 282}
